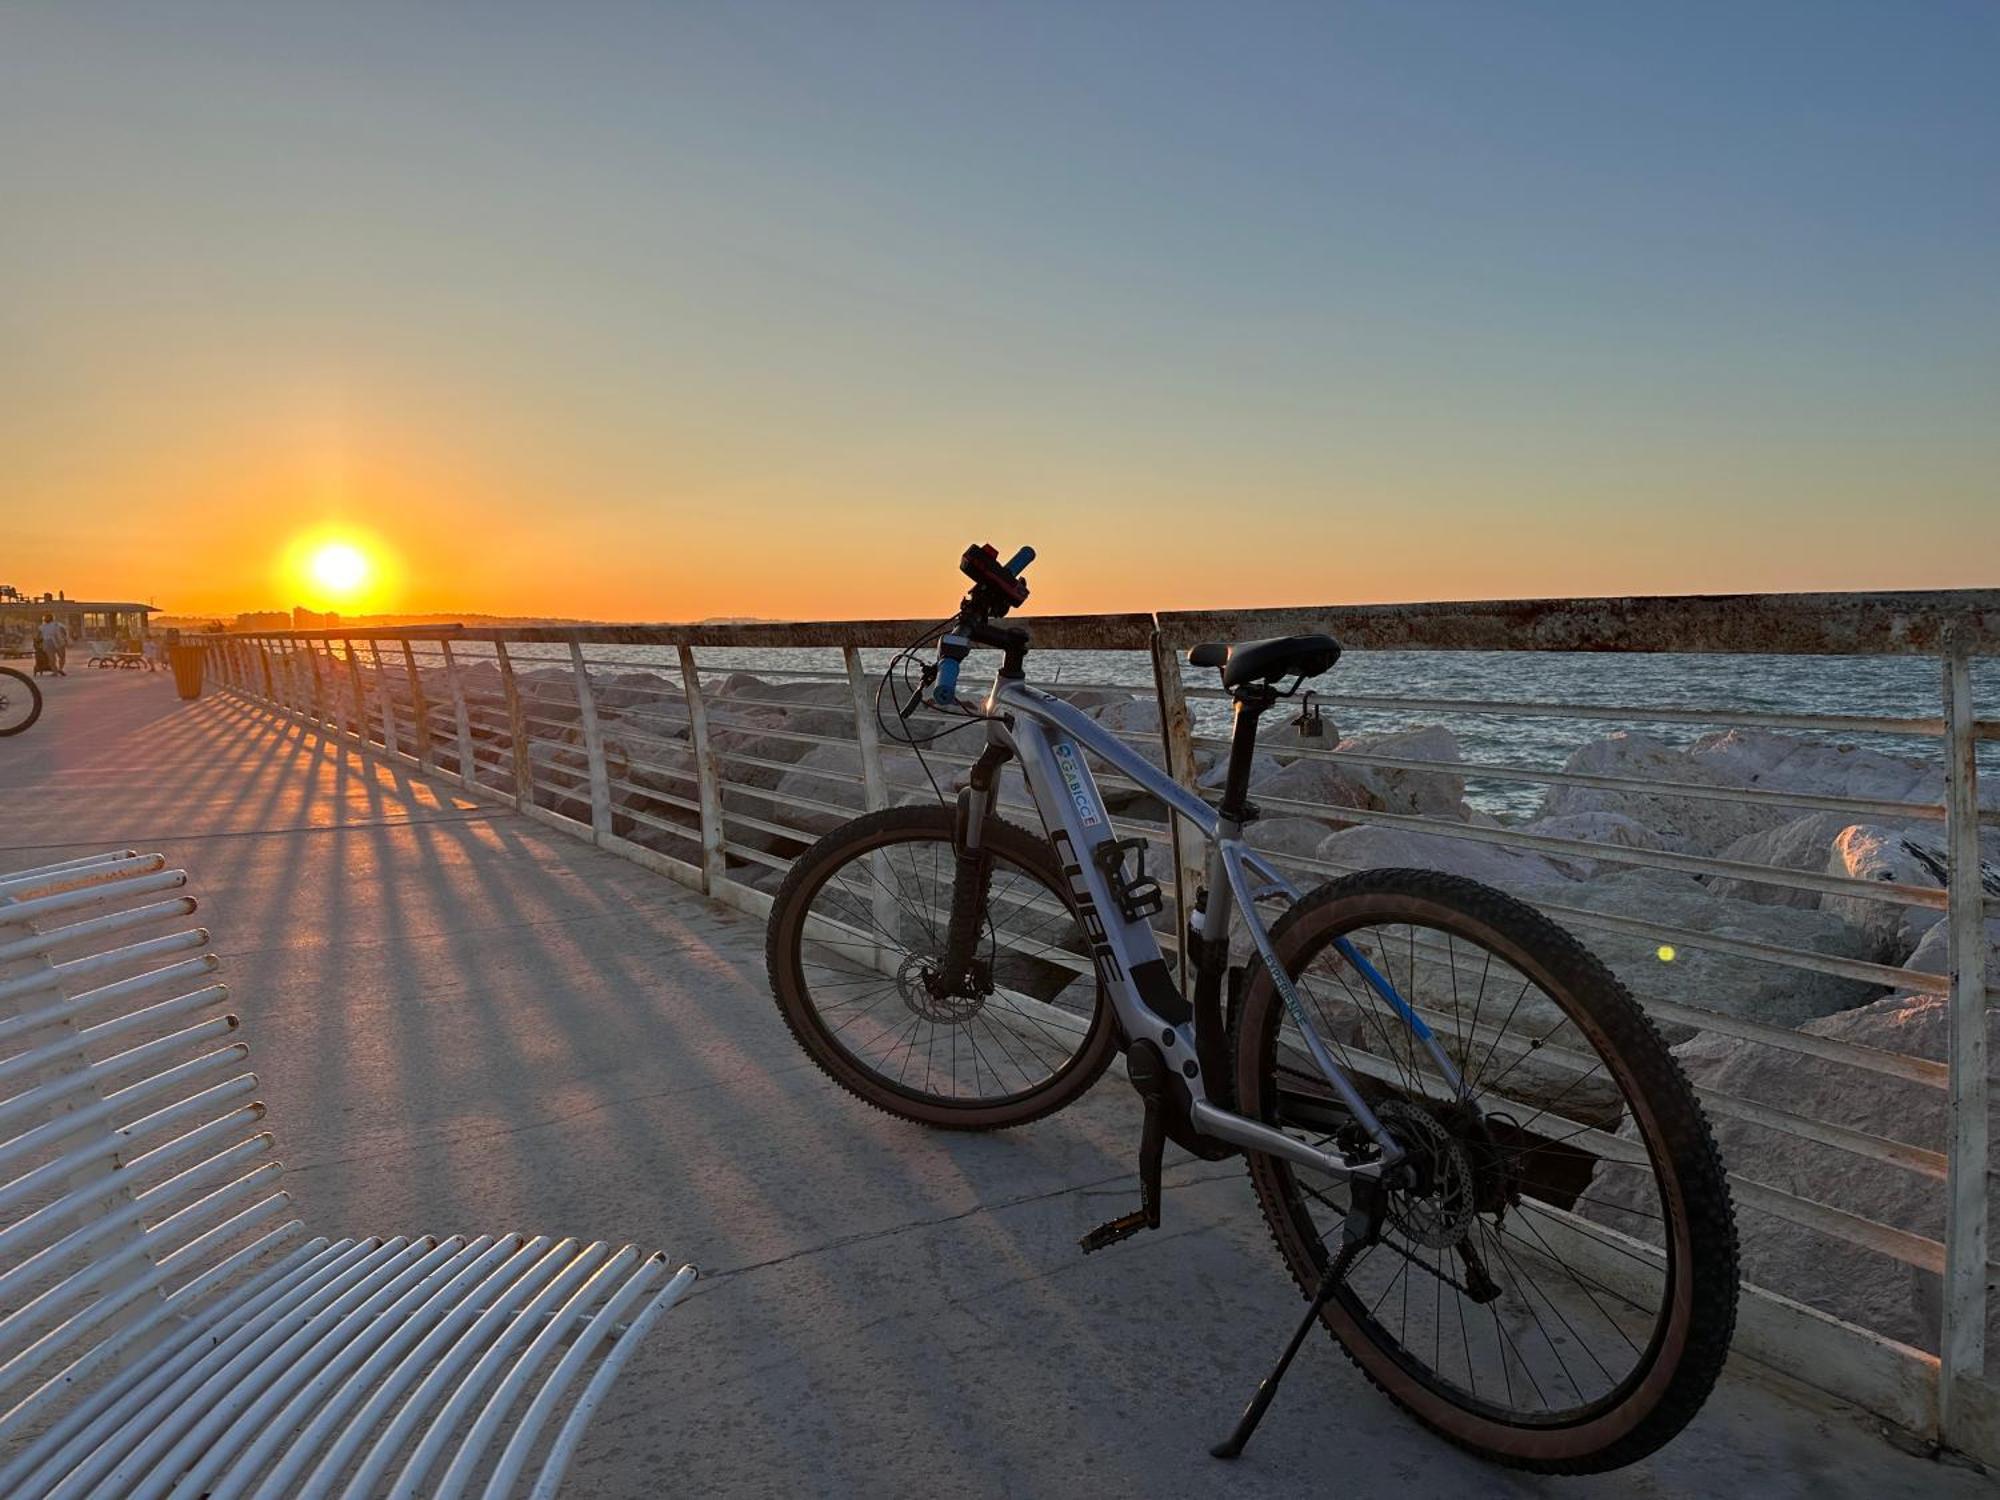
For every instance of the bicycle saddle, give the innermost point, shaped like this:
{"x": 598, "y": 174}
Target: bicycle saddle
{"x": 1267, "y": 661}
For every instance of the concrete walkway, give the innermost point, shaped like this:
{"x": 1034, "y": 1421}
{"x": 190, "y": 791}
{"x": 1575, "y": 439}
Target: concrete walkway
{"x": 466, "y": 1021}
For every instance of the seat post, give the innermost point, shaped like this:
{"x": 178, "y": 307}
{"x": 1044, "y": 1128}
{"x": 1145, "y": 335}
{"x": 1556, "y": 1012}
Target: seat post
{"x": 1251, "y": 701}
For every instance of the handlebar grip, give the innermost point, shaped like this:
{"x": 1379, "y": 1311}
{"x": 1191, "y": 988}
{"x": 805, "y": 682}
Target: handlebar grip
{"x": 1018, "y": 563}
{"x": 944, "y": 691}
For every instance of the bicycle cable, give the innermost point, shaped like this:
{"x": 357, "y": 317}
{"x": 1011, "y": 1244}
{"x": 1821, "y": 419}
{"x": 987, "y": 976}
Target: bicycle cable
{"x": 915, "y": 675}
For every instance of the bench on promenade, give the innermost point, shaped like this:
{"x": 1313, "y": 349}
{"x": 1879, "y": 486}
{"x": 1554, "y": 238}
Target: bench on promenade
{"x": 166, "y": 1328}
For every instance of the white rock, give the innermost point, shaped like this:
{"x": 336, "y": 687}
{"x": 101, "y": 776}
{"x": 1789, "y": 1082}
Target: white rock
{"x": 1263, "y": 766}
{"x": 1702, "y": 977}
{"x": 1933, "y": 953}
{"x": 1796, "y": 763}
{"x": 841, "y": 786}
{"x": 1372, "y": 847}
{"x": 1801, "y": 844}
{"x": 1323, "y": 785}
{"x": 1867, "y": 852}
{"x": 1431, "y": 794}
{"x": 1287, "y": 836}
{"x": 1691, "y": 825}
{"x": 638, "y": 690}
{"x": 1595, "y": 828}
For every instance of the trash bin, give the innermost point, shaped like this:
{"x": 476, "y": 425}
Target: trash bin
{"x": 187, "y": 662}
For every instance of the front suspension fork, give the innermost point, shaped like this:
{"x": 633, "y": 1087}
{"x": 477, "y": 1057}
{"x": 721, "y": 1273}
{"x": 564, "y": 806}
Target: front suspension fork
{"x": 972, "y": 878}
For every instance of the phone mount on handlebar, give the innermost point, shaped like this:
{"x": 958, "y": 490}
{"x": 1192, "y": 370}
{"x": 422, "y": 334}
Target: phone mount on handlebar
{"x": 996, "y": 587}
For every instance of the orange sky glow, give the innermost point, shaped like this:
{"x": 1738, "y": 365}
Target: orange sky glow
{"x": 668, "y": 316}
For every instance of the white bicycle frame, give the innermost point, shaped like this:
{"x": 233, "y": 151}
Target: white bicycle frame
{"x": 1048, "y": 737}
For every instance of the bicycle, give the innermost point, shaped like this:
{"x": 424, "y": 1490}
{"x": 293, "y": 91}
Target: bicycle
{"x": 1550, "y": 1200}
{"x": 20, "y": 701}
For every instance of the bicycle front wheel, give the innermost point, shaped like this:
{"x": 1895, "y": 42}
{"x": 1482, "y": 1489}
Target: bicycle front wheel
{"x": 1556, "y": 1289}
{"x": 854, "y": 949}
{"x": 20, "y": 701}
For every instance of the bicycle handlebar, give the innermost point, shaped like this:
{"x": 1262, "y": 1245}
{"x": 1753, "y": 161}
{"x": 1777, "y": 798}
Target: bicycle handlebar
{"x": 996, "y": 588}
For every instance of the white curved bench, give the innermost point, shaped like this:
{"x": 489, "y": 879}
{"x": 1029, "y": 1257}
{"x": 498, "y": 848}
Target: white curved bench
{"x": 167, "y": 1329}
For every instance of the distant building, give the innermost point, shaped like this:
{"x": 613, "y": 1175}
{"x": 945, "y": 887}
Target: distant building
{"x": 312, "y": 619}
{"x": 263, "y": 619}
{"x": 111, "y": 621}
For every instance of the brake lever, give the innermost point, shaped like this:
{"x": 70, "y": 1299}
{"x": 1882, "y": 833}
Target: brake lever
{"x": 915, "y": 701}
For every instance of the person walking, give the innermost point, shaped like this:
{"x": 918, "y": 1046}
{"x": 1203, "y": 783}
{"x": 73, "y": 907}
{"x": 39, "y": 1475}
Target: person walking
{"x": 55, "y": 641}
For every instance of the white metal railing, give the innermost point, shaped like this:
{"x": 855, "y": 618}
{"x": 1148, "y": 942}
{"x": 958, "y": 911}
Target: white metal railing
{"x": 718, "y": 774}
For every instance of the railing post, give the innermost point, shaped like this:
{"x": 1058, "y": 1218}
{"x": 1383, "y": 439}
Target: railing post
{"x": 354, "y": 692}
{"x": 1176, "y": 734}
{"x": 419, "y": 707}
{"x": 390, "y": 738}
{"x": 714, "y": 867}
{"x": 593, "y": 746}
{"x": 1962, "y": 1334}
{"x": 319, "y": 696}
{"x": 874, "y": 786}
{"x": 466, "y": 764}
{"x": 517, "y": 729}
{"x": 874, "y": 791}
{"x": 264, "y": 663}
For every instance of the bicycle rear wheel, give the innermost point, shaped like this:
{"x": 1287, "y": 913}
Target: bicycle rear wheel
{"x": 20, "y": 701}
{"x": 853, "y": 949}
{"x": 1557, "y": 1290}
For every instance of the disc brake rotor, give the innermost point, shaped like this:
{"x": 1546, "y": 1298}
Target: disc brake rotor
{"x": 1438, "y": 1212}
{"x": 914, "y": 982}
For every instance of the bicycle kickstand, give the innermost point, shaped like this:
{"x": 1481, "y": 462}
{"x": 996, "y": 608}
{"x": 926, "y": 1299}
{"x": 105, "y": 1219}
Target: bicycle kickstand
{"x": 1355, "y": 1236}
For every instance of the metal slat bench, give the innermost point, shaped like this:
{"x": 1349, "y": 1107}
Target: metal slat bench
{"x": 167, "y": 1330}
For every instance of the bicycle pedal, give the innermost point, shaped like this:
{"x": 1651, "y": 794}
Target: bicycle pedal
{"x": 1121, "y": 1228}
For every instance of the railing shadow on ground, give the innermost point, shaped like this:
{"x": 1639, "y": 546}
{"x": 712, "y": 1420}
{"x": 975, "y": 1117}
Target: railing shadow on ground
{"x": 652, "y": 743}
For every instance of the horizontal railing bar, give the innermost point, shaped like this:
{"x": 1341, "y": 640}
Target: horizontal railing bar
{"x": 1651, "y": 859}
{"x": 1885, "y": 623}
{"x": 1830, "y": 1049}
{"x": 1514, "y": 708}
{"x": 1771, "y": 953}
{"x": 1475, "y": 770}
{"x": 621, "y": 715}
{"x": 651, "y": 796}
{"x": 1875, "y": 623}
{"x": 1894, "y": 1064}
{"x": 755, "y": 856}
{"x": 691, "y": 833}
{"x": 1105, "y": 632}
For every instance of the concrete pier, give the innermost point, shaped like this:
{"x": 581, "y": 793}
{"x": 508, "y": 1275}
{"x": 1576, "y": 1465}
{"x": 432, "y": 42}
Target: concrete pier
{"x": 465, "y": 1021}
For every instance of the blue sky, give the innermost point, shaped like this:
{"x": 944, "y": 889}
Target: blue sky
{"x": 1420, "y": 300}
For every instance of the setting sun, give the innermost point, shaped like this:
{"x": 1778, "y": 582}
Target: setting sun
{"x": 339, "y": 568}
